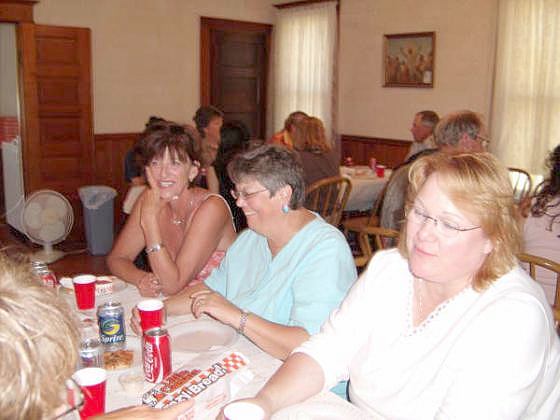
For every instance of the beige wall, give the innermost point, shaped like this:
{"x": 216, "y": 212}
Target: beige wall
{"x": 463, "y": 62}
{"x": 8, "y": 71}
{"x": 146, "y": 57}
{"x": 145, "y": 53}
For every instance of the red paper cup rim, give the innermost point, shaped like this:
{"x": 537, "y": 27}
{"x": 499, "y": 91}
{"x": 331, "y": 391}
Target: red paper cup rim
{"x": 84, "y": 279}
{"x": 150, "y": 305}
{"x": 90, "y": 376}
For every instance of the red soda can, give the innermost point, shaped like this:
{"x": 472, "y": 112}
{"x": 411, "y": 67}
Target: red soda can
{"x": 156, "y": 354}
{"x": 372, "y": 163}
{"x": 49, "y": 279}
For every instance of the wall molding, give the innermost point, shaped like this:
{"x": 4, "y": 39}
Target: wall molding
{"x": 389, "y": 152}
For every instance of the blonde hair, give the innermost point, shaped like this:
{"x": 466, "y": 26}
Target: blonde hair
{"x": 309, "y": 135}
{"x": 38, "y": 338}
{"x": 478, "y": 184}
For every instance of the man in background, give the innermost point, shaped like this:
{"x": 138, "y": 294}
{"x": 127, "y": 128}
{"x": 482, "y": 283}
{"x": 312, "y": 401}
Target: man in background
{"x": 422, "y": 132}
{"x": 458, "y": 132}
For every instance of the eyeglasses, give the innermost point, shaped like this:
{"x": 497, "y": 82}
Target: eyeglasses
{"x": 74, "y": 398}
{"x": 445, "y": 227}
{"x": 485, "y": 141}
{"x": 243, "y": 195}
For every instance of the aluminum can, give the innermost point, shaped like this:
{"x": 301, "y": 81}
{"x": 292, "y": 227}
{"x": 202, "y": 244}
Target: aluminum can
{"x": 112, "y": 333}
{"x": 372, "y": 163}
{"x": 91, "y": 353}
{"x": 46, "y": 275}
{"x": 156, "y": 354}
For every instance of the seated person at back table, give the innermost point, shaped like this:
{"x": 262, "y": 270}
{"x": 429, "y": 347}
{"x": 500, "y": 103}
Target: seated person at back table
{"x": 317, "y": 157}
{"x": 447, "y": 326}
{"x": 422, "y": 130}
{"x": 281, "y": 277}
{"x": 39, "y": 342}
{"x": 542, "y": 227}
{"x": 284, "y": 137}
{"x": 458, "y": 132}
{"x": 185, "y": 230}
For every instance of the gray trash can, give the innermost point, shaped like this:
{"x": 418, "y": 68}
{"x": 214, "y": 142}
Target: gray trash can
{"x": 98, "y": 204}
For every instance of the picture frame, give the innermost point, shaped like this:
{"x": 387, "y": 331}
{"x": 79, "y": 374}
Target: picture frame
{"x": 408, "y": 59}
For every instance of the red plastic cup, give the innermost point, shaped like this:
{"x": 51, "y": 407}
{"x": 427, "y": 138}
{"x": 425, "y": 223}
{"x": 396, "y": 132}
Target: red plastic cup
{"x": 151, "y": 313}
{"x": 93, "y": 382}
{"x": 380, "y": 171}
{"x": 84, "y": 289}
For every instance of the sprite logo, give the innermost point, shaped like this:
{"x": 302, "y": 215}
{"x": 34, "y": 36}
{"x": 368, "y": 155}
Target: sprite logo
{"x": 111, "y": 331}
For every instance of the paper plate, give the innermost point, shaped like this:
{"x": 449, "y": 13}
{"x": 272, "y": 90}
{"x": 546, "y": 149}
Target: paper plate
{"x": 201, "y": 335}
{"x": 67, "y": 286}
{"x": 318, "y": 410}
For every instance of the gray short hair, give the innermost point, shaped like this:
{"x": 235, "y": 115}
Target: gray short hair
{"x": 428, "y": 118}
{"x": 274, "y": 167}
{"x": 454, "y": 126}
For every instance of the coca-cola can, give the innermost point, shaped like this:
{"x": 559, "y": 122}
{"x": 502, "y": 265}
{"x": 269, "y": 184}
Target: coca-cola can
{"x": 156, "y": 354}
{"x": 47, "y": 276}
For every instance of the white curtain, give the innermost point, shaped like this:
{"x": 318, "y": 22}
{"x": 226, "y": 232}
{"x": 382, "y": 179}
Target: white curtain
{"x": 304, "y": 50}
{"x": 526, "y": 102}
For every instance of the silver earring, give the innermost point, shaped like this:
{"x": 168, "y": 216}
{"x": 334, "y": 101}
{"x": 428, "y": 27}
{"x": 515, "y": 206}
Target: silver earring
{"x": 285, "y": 209}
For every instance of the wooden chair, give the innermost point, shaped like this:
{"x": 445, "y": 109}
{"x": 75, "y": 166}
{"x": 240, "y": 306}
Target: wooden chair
{"x": 328, "y": 197}
{"x": 379, "y": 235}
{"x": 521, "y": 182}
{"x": 354, "y": 224}
{"x": 547, "y": 264}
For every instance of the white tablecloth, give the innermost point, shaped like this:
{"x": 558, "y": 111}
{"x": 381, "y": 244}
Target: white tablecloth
{"x": 366, "y": 187}
{"x": 262, "y": 365}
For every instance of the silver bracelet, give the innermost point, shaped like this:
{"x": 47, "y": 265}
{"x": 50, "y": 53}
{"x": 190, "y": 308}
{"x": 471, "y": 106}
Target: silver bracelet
{"x": 243, "y": 321}
{"x": 154, "y": 248}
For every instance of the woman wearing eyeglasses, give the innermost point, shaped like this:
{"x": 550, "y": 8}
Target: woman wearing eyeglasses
{"x": 185, "y": 230}
{"x": 283, "y": 276}
{"x": 447, "y": 325}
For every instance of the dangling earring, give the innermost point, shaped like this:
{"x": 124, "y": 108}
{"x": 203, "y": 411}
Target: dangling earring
{"x": 285, "y": 209}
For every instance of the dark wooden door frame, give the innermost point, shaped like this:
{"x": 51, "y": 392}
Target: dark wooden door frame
{"x": 208, "y": 24}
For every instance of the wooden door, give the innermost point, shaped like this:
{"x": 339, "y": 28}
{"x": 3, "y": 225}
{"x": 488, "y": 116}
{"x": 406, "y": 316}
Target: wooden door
{"x": 234, "y": 70}
{"x": 57, "y": 124}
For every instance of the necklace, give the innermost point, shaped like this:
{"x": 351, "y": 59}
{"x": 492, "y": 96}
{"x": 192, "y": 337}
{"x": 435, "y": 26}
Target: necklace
{"x": 177, "y": 221}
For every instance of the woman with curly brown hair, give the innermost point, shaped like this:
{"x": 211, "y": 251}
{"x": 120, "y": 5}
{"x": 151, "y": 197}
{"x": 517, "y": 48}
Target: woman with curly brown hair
{"x": 542, "y": 227}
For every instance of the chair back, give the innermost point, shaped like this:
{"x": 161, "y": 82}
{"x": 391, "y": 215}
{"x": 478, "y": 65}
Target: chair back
{"x": 328, "y": 197}
{"x": 382, "y": 238}
{"x": 535, "y": 261}
{"x": 521, "y": 182}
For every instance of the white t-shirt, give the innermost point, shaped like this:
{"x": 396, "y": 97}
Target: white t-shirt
{"x": 489, "y": 355}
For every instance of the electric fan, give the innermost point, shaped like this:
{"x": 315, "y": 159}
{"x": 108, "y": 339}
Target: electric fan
{"x": 47, "y": 219}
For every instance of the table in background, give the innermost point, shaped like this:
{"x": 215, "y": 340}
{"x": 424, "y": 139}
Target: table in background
{"x": 261, "y": 364}
{"x": 366, "y": 187}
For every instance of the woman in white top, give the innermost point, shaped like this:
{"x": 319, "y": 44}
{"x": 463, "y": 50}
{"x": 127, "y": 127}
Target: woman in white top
{"x": 448, "y": 325}
{"x": 185, "y": 230}
{"x": 542, "y": 227}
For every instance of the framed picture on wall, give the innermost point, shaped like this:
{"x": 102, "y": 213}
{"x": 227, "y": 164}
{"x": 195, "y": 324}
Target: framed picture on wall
{"x": 408, "y": 59}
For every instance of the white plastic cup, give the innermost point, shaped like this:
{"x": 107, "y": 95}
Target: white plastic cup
{"x": 243, "y": 410}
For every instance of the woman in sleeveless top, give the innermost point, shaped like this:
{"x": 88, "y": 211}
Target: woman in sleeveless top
{"x": 185, "y": 230}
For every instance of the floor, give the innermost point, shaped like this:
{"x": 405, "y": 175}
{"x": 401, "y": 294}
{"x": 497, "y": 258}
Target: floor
{"x": 76, "y": 261}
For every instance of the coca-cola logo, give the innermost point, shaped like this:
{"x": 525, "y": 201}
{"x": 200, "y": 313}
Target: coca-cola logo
{"x": 150, "y": 361}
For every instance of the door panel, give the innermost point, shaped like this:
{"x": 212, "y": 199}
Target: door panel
{"x": 58, "y": 146}
{"x": 234, "y": 69}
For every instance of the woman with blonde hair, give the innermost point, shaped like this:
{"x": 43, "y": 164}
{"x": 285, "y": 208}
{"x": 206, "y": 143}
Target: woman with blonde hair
{"x": 315, "y": 153}
{"x": 446, "y": 326}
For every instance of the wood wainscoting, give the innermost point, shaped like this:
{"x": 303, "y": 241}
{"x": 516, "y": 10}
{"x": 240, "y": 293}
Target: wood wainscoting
{"x": 110, "y": 150}
{"x": 388, "y": 152}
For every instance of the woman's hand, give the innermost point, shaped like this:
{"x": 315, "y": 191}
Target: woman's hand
{"x": 215, "y": 305}
{"x": 152, "y": 203}
{"x": 149, "y": 286}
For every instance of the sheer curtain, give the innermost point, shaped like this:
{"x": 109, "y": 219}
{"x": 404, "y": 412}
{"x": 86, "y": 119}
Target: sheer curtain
{"x": 304, "y": 47}
{"x": 526, "y": 103}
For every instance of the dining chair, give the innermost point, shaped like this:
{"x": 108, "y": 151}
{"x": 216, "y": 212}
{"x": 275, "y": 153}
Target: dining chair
{"x": 521, "y": 182}
{"x": 355, "y": 224}
{"x": 380, "y": 236}
{"x": 535, "y": 261}
{"x": 328, "y": 197}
